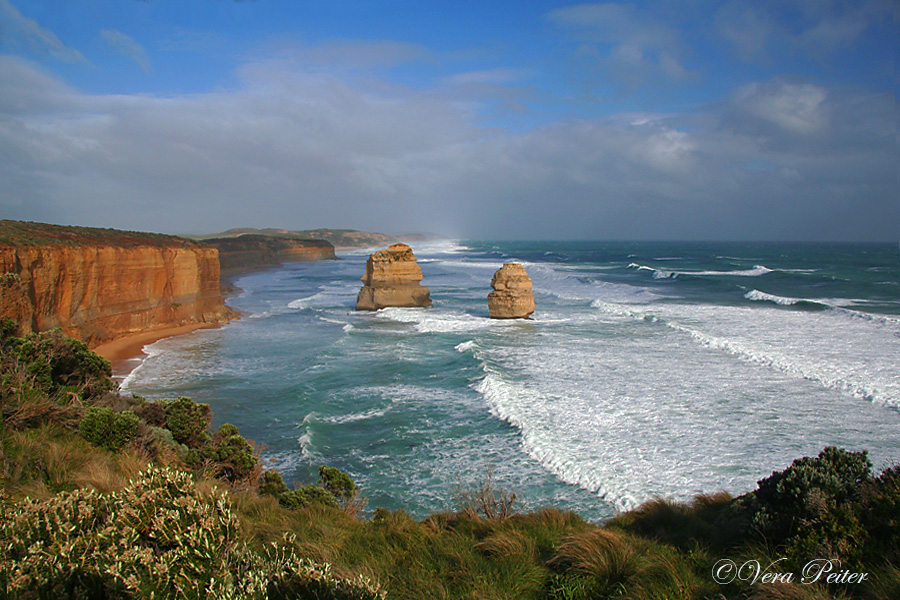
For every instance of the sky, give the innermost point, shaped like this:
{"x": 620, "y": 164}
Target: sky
{"x": 763, "y": 120}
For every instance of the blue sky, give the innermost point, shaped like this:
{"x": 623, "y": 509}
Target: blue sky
{"x": 645, "y": 120}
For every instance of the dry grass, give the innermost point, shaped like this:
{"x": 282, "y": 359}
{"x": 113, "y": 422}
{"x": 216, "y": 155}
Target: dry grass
{"x": 621, "y": 564}
{"x": 508, "y": 544}
{"x": 34, "y": 412}
{"x": 793, "y": 591}
{"x": 486, "y": 500}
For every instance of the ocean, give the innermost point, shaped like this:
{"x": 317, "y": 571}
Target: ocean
{"x": 648, "y": 370}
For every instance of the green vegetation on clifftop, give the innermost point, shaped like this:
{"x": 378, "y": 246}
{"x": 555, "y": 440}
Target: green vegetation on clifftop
{"x": 108, "y": 496}
{"x": 340, "y": 238}
{"x": 25, "y": 233}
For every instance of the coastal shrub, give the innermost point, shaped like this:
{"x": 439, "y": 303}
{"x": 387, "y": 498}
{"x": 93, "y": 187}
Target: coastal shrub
{"x": 880, "y": 515}
{"x": 153, "y": 413}
{"x": 103, "y": 427}
{"x": 232, "y": 455}
{"x": 159, "y": 538}
{"x": 187, "y": 420}
{"x": 8, "y": 329}
{"x": 53, "y": 364}
{"x": 273, "y": 484}
{"x": 811, "y": 508}
{"x": 343, "y": 488}
{"x": 337, "y": 483}
{"x": 55, "y": 360}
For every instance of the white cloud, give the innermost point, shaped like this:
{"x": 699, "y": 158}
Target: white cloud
{"x": 127, "y": 46}
{"x": 795, "y": 107}
{"x": 747, "y": 28}
{"x": 38, "y": 39}
{"x": 494, "y": 76}
{"x": 298, "y": 149}
{"x": 350, "y": 54}
{"x": 762, "y": 30}
{"x": 631, "y": 43}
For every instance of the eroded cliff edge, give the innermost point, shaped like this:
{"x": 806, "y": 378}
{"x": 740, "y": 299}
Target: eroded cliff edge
{"x": 101, "y": 284}
{"x": 250, "y": 251}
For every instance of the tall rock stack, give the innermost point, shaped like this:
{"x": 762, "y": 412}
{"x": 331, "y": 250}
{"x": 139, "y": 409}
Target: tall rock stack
{"x": 512, "y": 297}
{"x": 392, "y": 279}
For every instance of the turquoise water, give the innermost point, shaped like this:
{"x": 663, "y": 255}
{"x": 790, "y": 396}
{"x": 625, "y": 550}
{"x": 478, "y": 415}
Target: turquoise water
{"x": 648, "y": 369}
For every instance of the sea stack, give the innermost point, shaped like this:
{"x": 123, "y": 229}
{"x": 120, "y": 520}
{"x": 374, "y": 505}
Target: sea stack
{"x": 512, "y": 297}
{"x": 392, "y": 279}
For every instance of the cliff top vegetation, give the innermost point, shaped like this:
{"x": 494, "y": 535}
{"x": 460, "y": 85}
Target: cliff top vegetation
{"x": 250, "y": 240}
{"x": 27, "y": 233}
{"x": 346, "y": 238}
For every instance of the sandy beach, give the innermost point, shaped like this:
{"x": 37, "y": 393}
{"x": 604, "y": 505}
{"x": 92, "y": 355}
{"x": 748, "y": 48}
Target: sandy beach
{"x": 120, "y": 350}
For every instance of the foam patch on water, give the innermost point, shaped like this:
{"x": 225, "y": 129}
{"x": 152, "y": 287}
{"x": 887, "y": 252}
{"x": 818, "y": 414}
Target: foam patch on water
{"x": 433, "y": 321}
{"x": 836, "y": 348}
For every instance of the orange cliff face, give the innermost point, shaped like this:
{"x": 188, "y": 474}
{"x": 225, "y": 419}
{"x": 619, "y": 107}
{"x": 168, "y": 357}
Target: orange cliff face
{"x": 97, "y": 293}
{"x": 248, "y": 251}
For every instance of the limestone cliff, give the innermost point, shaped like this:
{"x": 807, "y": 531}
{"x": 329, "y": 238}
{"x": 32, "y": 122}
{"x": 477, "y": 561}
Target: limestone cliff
{"x": 99, "y": 284}
{"x": 254, "y": 251}
{"x": 512, "y": 297}
{"x": 392, "y": 279}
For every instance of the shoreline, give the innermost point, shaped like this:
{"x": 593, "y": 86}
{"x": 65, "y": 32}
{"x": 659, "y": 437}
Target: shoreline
{"x": 121, "y": 351}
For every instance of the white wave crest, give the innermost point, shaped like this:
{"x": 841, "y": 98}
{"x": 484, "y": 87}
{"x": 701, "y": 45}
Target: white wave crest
{"x": 433, "y": 321}
{"x": 373, "y": 413}
{"x": 301, "y": 303}
{"x": 756, "y": 271}
{"x": 510, "y": 402}
{"x": 759, "y": 296}
{"x": 466, "y": 346}
{"x": 149, "y": 351}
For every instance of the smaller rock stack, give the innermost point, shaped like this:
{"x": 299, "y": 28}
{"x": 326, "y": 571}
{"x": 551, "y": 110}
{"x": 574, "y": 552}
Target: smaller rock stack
{"x": 392, "y": 279}
{"x": 512, "y": 297}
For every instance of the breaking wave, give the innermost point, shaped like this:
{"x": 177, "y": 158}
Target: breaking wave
{"x": 756, "y": 271}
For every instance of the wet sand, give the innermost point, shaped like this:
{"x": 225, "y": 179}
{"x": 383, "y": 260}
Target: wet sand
{"x": 120, "y": 350}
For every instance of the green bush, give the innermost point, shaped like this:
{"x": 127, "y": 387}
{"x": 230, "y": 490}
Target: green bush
{"x": 54, "y": 361}
{"x": 337, "y": 483}
{"x": 108, "y": 429}
{"x": 8, "y": 329}
{"x": 881, "y": 516}
{"x": 232, "y": 455}
{"x": 811, "y": 508}
{"x": 159, "y": 538}
{"x": 47, "y": 370}
{"x": 273, "y": 484}
{"x": 187, "y": 420}
{"x": 153, "y": 413}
